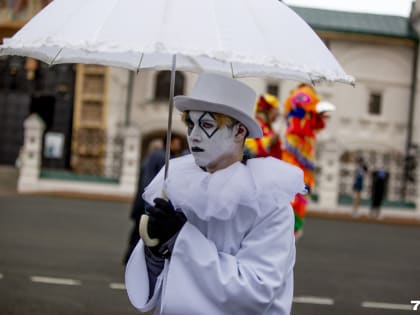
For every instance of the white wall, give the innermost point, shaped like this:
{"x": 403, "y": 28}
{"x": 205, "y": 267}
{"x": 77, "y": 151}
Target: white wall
{"x": 377, "y": 68}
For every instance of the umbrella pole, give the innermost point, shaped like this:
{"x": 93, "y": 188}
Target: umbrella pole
{"x": 171, "y": 106}
{"x": 144, "y": 220}
{"x": 129, "y": 99}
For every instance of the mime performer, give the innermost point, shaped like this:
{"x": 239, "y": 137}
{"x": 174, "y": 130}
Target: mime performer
{"x": 221, "y": 241}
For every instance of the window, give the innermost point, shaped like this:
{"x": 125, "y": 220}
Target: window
{"x": 273, "y": 89}
{"x": 375, "y": 101}
{"x": 346, "y": 157}
{"x": 163, "y": 83}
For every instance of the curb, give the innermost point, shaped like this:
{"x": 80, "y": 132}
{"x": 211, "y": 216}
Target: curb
{"x": 73, "y": 195}
{"x": 384, "y": 219}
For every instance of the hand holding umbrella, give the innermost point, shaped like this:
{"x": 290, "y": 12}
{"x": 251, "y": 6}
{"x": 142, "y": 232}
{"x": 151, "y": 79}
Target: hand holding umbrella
{"x": 160, "y": 225}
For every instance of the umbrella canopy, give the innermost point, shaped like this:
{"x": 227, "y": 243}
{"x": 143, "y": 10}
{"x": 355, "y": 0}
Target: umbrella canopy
{"x": 240, "y": 38}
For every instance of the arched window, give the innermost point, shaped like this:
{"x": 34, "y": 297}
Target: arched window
{"x": 163, "y": 83}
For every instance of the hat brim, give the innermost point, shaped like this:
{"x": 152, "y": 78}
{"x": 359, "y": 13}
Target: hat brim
{"x": 184, "y": 103}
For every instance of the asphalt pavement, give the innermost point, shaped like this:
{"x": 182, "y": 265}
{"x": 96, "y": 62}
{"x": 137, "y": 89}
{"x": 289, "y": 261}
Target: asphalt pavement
{"x": 354, "y": 267}
{"x": 64, "y": 256}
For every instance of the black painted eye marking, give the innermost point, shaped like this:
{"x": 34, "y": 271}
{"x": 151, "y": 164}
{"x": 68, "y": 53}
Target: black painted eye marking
{"x": 207, "y": 122}
{"x": 189, "y": 123}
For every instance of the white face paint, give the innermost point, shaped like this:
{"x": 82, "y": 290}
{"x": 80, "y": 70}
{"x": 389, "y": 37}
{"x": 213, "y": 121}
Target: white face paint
{"x": 208, "y": 143}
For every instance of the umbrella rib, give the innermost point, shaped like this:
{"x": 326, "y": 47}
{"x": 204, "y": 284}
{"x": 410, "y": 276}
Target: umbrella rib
{"x": 311, "y": 79}
{"x": 231, "y": 69}
{"x": 99, "y": 31}
{"x": 139, "y": 65}
{"x": 55, "y": 57}
{"x": 194, "y": 62}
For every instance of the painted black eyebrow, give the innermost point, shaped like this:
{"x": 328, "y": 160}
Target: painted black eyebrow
{"x": 188, "y": 119}
{"x": 189, "y": 123}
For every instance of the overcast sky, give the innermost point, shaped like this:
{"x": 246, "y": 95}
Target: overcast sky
{"x": 392, "y": 7}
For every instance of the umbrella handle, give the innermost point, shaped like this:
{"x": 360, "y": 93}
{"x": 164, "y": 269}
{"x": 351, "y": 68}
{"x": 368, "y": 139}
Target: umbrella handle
{"x": 148, "y": 241}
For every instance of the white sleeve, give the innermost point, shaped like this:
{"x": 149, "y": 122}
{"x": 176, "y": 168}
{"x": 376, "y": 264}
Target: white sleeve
{"x": 137, "y": 281}
{"x": 202, "y": 280}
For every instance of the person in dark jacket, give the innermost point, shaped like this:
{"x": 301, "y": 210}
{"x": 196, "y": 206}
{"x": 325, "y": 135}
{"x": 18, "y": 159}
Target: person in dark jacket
{"x": 358, "y": 183}
{"x": 379, "y": 186}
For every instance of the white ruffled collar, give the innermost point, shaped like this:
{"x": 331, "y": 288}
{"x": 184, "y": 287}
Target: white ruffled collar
{"x": 219, "y": 194}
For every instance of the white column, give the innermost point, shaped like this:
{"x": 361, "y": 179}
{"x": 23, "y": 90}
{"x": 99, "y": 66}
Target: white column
{"x": 32, "y": 152}
{"x": 131, "y": 160}
{"x": 329, "y": 179}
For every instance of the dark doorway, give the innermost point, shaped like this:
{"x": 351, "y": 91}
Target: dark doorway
{"x": 29, "y": 86}
{"x": 14, "y": 107}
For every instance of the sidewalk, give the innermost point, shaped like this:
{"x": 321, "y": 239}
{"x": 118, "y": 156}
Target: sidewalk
{"x": 387, "y": 215}
{"x": 8, "y": 180}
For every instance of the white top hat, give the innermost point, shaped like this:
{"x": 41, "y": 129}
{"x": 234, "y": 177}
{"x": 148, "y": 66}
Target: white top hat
{"x": 220, "y": 94}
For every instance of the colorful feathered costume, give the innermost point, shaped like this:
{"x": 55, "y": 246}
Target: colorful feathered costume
{"x": 305, "y": 117}
{"x": 304, "y": 120}
{"x": 266, "y": 111}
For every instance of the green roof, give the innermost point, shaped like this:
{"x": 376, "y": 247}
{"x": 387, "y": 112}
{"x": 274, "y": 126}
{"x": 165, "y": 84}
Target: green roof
{"x": 360, "y": 23}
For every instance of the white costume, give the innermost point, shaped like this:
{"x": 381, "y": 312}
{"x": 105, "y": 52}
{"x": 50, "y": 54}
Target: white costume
{"x": 236, "y": 252}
